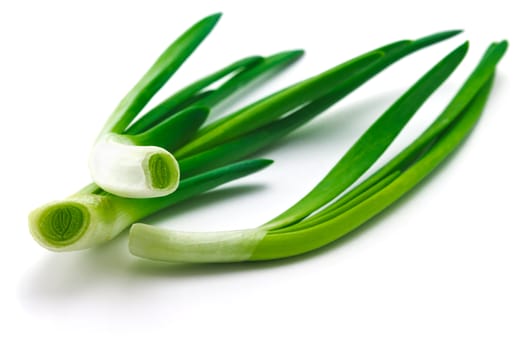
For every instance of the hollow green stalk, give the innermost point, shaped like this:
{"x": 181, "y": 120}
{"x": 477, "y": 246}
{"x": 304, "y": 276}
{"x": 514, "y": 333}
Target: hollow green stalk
{"x": 302, "y": 240}
{"x": 117, "y": 163}
{"x": 368, "y": 199}
{"x": 372, "y": 143}
{"x": 475, "y": 82}
{"x": 85, "y": 220}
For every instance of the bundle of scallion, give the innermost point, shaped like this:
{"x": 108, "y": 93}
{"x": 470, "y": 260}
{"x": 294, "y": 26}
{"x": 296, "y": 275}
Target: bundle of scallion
{"x": 137, "y": 161}
{"x": 297, "y": 230}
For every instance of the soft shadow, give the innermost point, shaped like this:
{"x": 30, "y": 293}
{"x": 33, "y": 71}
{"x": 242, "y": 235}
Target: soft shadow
{"x": 60, "y": 277}
{"x": 110, "y": 272}
{"x": 64, "y": 276}
{"x": 171, "y": 270}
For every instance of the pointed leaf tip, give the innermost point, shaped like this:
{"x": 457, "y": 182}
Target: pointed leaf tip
{"x": 210, "y": 20}
{"x": 297, "y": 53}
{"x": 265, "y": 162}
{"x": 214, "y": 17}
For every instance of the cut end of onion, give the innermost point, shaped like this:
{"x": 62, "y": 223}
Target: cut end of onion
{"x": 59, "y": 224}
{"x": 132, "y": 171}
{"x": 79, "y": 222}
{"x": 163, "y": 172}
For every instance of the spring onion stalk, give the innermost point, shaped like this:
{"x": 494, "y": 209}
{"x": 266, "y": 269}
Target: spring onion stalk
{"x": 372, "y": 143}
{"x": 120, "y": 165}
{"x": 291, "y": 233}
{"x": 178, "y": 122}
{"x": 168, "y": 126}
{"x": 415, "y": 150}
{"x": 86, "y": 219}
{"x": 135, "y": 167}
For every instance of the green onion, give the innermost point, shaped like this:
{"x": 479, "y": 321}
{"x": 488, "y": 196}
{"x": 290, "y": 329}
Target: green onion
{"x": 123, "y": 165}
{"x": 169, "y": 133}
{"x": 86, "y": 219}
{"x": 292, "y": 232}
{"x": 126, "y": 159}
{"x": 79, "y": 222}
{"x": 372, "y": 144}
{"x": 182, "y": 98}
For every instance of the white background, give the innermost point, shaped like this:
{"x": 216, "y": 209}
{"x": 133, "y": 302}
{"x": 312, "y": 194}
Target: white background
{"x": 442, "y": 269}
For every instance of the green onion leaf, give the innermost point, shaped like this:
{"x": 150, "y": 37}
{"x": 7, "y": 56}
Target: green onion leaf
{"x": 352, "y": 73}
{"x": 477, "y": 79}
{"x": 368, "y": 199}
{"x": 184, "y": 97}
{"x": 120, "y": 166}
{"x": 298, "y": 241}
{"x": 175, "y": 130}
{"x": 372, "y": 143}
{"x": 165, "y": 66}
